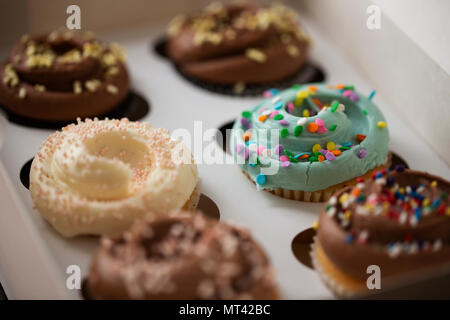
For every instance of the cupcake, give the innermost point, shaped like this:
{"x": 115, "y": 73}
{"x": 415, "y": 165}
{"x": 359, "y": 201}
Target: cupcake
{"x": 398, "y": 221}
{"x": 306, "y": 142}
{"x": 63, "y": 75}
{"x": 181, "y": 257}
{"x": 229, "y": 44}
{"x": 97, "y": 177}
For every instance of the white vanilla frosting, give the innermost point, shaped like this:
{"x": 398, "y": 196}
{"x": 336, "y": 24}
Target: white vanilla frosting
{"x": 97, "y": 177}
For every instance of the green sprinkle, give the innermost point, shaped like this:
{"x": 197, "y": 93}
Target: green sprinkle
{"x": 333, "y": 127}
{"x": 247, "y": 114}
{"x": 292, "y": 159}
{"x": 313, "y": 159}
{"x": 350, "y": 87}
{"x": 365, "y": 112}
{"x": 278, "y": 117}
{"x": 284, "y": 132}
{"x": 298, "y": 130}
{"x": 288, "y": 153}
{"x": 296, "y": 86}
{"x": 344, "y": 148}
{"x": 327, "y": 207}
{"x": 334, "y": 106}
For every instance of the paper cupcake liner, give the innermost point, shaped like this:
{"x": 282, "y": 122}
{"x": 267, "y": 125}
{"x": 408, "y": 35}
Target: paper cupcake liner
{"x": 307, "y": 74}
{"x": 193, "y": 200}
{"x": 321, "y": 195}
{"x": 340, "y": 284}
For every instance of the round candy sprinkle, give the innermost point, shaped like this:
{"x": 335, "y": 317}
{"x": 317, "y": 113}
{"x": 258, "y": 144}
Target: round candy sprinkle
{"x": 283, "y": 122}
{"x": 312, "y": 127}
{"x": 246, "y": 114}
{"x": 301, "y": 121}
{"x": 284, "y": 158}
{"x": 246, "y": 136}
{"x": 360, "y": 137}
{"x": 330, "y": 156}
{"x": 372, "y": 94}
{"x": 399, "y": 168}
{"x": 298, "y": 130}
{"x": 278, "y": 117}
{"x": 261, "y": 179}
{"x": 334, "y": 106}
{"x": 291, "y": 107}
{"x": 346, "y": 144}
{"x": 316, "y": 148}
{"x": 321, "y": 129}
{"x": 278, "y": 149}
{"x": 331, "y": 146}
{"x": 333, "y": 127}
{"x": 244, "y": 122}
{"x": 273, "y": 114}
{"x": 302, "y": 94}
{"x": 285, "y": 164}
{"x": 319, "y": 122}
{"x": 312, "y": 88}
{"x": 362, "y": 153}
{"x": 246, "y": 153}
{"x": 278, "y": 105}
{"x": 284, "y": 133}
{"x": 262, "y": 118}
{"x": 320, "y": 158}
{"x": 354, "y": 97}
{"x": 306, "y": 113}
{"x": 347, "y": 93}
{"x": 239, "y": 148}
{"x": 341, "y": 108}
{"x": 381, "y": 124}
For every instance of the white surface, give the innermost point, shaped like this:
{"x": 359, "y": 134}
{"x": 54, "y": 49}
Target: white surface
{"x": 409, "y": 78}
{"x": 426, "y": 22}
{"x": 177, "y": 104}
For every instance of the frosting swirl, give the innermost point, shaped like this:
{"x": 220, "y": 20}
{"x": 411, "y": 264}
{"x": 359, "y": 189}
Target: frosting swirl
{"x": 63, "y": 75}
{"x": 181, "y": 257}
{"x": 96, "y": 177}
{"x": 235, "y": 43}
{"x": 313, "y": 136}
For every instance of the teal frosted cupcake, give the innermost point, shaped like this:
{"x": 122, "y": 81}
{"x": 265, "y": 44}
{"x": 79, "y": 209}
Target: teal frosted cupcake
{"x": 306, "y": 142}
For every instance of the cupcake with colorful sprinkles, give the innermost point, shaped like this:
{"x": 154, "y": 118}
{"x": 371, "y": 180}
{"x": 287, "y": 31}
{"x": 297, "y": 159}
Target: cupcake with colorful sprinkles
{"x": 398, "y": 221}
{"x": 309, "y": 141}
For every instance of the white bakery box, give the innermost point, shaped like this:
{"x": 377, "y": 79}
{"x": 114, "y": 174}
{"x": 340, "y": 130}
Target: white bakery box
{"x": 403, "y": 54}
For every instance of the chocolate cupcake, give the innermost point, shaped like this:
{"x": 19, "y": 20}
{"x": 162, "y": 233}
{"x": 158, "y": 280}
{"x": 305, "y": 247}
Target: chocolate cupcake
{"x": 238, "y": 44}
{"x": 63, "y": 75}
{"x": 397, "y": 221}
{"x": 181, "y": 257}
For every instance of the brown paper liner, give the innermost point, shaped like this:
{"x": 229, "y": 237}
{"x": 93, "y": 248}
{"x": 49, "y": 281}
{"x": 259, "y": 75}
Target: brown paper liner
{"x": 339, "y": 283}
{"x": 325, "y": 194}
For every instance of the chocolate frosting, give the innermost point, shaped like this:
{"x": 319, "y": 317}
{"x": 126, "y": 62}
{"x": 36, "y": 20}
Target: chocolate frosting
{"x": 63, "y": 75}
{"x": 399, "y": 221}
{"x": 181, "y": 257}
{"x": 228, "y": 44}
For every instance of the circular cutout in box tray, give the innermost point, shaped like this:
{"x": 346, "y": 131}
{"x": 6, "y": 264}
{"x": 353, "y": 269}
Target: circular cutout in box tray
{"x": 301, "y": 246}
{"x": 309, "y": 73}
{"x": 134, "y": 107}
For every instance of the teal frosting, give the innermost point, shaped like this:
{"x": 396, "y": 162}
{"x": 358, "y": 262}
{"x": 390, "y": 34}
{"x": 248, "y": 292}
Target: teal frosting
{"x": 361, "y": 116}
